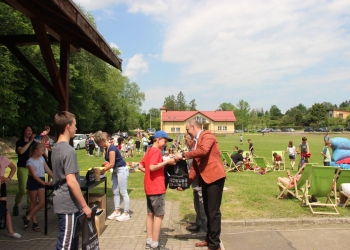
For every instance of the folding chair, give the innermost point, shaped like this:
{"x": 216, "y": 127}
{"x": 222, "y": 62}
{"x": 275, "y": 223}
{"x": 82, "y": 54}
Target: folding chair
{"x": 296, "y": 186}
{"x": 344, "y": 177}
{"x": 263, "y": 163}
{"x": 231, "y": 165}
{"x": 283, "y": 162}
{"x": 320, "y": 183}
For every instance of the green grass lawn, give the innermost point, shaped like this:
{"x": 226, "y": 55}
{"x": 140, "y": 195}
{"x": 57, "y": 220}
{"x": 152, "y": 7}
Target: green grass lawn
{"x": 249, "y": 195}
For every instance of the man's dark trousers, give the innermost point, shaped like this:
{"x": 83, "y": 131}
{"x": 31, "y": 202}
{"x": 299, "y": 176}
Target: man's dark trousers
{"x": 212, "y": 196}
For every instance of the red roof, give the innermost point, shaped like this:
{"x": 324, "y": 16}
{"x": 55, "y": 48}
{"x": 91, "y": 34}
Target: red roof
{"x": 218, "y": 115}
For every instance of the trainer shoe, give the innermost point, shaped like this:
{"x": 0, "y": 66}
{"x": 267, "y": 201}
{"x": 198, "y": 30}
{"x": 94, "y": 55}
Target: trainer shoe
{"x": 14, "y": 235}
{"x": 159, "y": 247}
{"x": 123, "y": 217}
{"x": 113, "y": 215}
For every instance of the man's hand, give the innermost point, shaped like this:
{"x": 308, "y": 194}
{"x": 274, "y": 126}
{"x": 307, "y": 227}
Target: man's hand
{"x": 87, "y": 211}
{"x": 178, "y": 157}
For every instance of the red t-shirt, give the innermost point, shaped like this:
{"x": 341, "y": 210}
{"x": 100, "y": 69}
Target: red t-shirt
{"x": 278, "y": 158}
{"x": 154, "y": 182}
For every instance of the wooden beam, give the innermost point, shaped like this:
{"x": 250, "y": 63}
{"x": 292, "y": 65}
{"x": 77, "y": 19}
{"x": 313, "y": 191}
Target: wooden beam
{"x": 49, "y": 59}
{"x": 31, "y": 67}
{"x": 64, "y": 73}
{"x": 21, "y": 40}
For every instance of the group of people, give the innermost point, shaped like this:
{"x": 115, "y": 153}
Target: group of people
{"x": 34, "y": 153}
{"x": 206, "y": 167}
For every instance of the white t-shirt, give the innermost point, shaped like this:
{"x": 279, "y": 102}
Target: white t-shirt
{"x": 291, "y": 150}
{"x": 38, "y": 165}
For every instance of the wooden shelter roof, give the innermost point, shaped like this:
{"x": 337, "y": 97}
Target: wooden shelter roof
{"x": 57, "y": 22}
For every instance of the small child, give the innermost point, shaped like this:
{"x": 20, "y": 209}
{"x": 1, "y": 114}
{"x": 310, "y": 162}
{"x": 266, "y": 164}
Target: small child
{"x": 277, "y": 161}
{"x": 326, "y": 154}
{"x": 36, "y": 183}
{"x": 138, "y": 146}
{"x": 247, "y": 161}
{"x": 153, "y": 166}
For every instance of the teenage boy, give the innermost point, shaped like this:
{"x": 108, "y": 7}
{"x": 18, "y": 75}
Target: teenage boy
{"x": 152, "y": 165}
{"x": 68, "y": 199}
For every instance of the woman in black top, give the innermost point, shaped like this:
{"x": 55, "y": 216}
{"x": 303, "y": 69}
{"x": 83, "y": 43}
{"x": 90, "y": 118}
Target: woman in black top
{"x": 22, "y": 149}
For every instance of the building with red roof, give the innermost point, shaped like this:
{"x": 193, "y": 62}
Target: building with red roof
{"x": 217, "y": 121}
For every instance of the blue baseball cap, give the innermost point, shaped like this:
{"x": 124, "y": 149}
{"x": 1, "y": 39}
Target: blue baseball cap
{"x": 162, "y": 134}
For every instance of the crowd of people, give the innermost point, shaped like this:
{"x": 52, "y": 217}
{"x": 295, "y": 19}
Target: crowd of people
{"x": 200, "y": 150}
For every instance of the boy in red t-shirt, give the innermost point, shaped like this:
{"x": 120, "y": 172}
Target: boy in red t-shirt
{"x": 277, "y": 161}
{"x": 152, "y": 165}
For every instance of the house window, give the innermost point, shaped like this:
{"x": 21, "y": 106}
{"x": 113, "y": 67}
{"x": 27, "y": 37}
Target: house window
{"x": 330, "y": 114}
{"x": 201, "y": 119}
{"x": 178, "y": 130}
{"x": 341, "y": 116}
{"x": 173, "y": 130}
{"x": 224, "y": 128}
{"x": 219, "y": 128}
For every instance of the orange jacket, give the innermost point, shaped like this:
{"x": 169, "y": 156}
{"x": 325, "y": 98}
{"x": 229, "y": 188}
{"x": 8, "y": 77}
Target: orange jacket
{"x": 206, "y": 159}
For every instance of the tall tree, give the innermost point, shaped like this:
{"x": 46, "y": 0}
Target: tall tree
{"x": 170, "y": 103}
{"x": 181, "y": 102}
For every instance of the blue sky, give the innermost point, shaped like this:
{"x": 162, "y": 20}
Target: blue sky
{"x": 267, "y": 52}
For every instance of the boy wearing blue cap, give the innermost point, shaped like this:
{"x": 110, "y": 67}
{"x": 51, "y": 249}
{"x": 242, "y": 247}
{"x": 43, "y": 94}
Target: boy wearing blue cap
{"x": 152, "y": 165}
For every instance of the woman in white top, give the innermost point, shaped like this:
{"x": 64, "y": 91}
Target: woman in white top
{"x": 291, "y": 151}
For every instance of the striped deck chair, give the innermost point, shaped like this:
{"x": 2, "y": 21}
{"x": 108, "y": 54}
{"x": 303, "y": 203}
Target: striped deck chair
{"x": 296, "y": 187}
{"x": 321, "y": 183}
{"x": 263, "y": 163}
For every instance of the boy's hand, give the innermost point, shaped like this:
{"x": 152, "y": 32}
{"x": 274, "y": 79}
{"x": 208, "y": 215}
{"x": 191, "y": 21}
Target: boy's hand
{"x": 171, "y": 161}
{"x": 179, "y": 189}
{"x": 87, "y": 211}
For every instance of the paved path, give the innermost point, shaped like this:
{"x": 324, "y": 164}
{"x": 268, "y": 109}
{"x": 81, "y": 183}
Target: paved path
{"x": 308, "y": 233}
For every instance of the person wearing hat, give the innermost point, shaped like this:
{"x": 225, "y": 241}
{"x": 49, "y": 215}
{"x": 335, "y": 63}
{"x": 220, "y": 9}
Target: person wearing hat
{"x": 153, "y": 165}
{"x": 207, "y": 165}
{"x": 303, "y": 150}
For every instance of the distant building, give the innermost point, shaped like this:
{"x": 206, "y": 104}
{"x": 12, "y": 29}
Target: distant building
{"x": 219, "y": 122}
{"x": 338, "y": 113}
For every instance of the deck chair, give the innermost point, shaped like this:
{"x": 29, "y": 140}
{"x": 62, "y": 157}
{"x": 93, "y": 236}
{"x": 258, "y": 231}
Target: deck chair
{"x": 344, "y": 177}
{"x": 321, "y": 182}
{"x": 231, "y": 165}
{"x": 283, "y": 162}
{"x": 263, "y": 163}
{"x": 295, "y": 188}
{"x": 223, "y": 159}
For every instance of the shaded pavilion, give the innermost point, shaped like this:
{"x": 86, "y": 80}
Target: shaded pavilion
{"x": 57, "y": 22}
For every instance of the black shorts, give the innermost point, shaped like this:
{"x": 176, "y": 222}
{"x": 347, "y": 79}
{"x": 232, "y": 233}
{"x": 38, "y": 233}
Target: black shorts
{"x": 33, "y": 185}
{"x": 3, "y": 192}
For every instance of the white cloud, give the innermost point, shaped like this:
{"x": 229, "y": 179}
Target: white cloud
{"x": 136, "y": 65}
{"x": 114, "y": 46}
{"x": 249, "y": 47}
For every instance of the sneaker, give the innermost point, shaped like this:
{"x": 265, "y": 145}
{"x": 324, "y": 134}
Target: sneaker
{"x": 123, "y": 217}
{"x": 159, "y": 247}
{"x": 15, "y": 211}
{"x": 147, "y": 246}
{"x": 113, "y": 215}
{"x": 14, "y": 235}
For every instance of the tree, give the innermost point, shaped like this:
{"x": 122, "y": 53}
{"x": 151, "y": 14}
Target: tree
{"x": 275, "y": 113}
{"x": 192, "y": 105}
{"x": 302, "y": 108}
{"x": 317, "y": 114}
{"x": 329, "y": 105}
{"x": 181, "y": 102}
{"x": 170, "y": 103}
{"x": 226, "y": 106}
{"x": 242, "y": 113}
